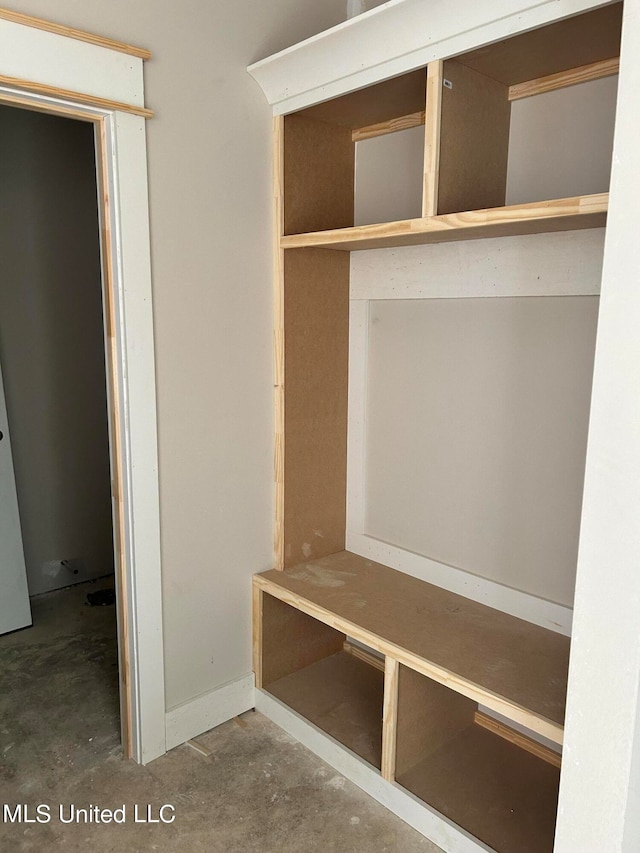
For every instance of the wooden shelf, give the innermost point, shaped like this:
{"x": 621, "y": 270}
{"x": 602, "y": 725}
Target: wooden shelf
{"x": 503, "y": 795}
{"x": 341, "y": 695}
{"x": 567, "y": 214}
{"x": 506, "y": 664}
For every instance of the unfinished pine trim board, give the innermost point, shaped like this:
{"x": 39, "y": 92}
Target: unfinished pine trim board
{"x": 390, "y": 126}
{"x": 78, "y": 97}
{"x": 70, "y": 32}
{"x": 594, "y": 71}
{"x": 567, "y": 214}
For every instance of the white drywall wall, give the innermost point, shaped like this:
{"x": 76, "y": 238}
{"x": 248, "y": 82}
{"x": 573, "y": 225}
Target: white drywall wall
{"x": 209, "y": 156}
{"x": 599, "y": 805}
{"x": 560, "y": 142}
{"x": 477, "y": 416}
{"x": 389, "y": 177}
{"x": 52, "y": 345}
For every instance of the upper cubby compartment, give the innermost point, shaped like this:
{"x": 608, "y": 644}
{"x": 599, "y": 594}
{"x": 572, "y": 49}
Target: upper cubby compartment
{"x": 530, "y": 118}
{"x": 357, "y": 159}
{"x": 514, "y": 137}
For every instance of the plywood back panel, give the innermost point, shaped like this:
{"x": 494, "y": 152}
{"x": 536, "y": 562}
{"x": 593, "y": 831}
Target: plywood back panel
{"x": 390, "y": 99}
{"x": 291, "y": 640}
{"x": 474, "y": 140}
{"x": 429, "y": 715}
{"x": 318, "y": 175}
{"x": 316, "y": 363}
{"x": 566, "y": 44}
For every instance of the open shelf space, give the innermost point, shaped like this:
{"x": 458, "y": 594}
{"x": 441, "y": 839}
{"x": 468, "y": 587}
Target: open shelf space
{"x": 568, "y": 214}
{"x": 514, "y": 667}
{"x": 498, "y": 792}
{"x": 341, "y": 695}
{"x": 499, "y": 785}
{"x": 319, "y": 155}
{"x": 508, "y": 136}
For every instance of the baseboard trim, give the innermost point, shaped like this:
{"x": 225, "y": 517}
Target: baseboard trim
{"x": 431, "y": 824}
{"x": 209, "y": 710}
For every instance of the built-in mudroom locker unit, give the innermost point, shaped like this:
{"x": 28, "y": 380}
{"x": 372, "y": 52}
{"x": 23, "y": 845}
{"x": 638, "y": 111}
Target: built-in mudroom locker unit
{"x": 438, "y": 253}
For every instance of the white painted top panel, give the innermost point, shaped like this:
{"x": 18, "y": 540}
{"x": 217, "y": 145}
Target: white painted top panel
{"x": 557, "y": 264}
{"x": 398, "y": 36}
{"x": 31, "y": 54}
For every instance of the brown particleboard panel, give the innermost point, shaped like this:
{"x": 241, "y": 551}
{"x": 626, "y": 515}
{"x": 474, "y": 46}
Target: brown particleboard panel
{"x": 291, "y": 640}
{"x": 316, "y": 316}
{"x": 318, "y": 175}
{"x": 516, "y": 668}
{"x": 429, "y": 716}
{"x": 503, "y": 795}
{"x": 566, "y": 44}
{"x": 566, "y": 214}
{"x": 341, "y": 695}
{"x": 390, "y": 99}
{"x": 474, "y": 140}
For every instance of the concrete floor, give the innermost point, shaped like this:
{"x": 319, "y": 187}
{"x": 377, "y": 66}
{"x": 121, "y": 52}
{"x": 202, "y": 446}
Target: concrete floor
{"x": 259, "y": 790}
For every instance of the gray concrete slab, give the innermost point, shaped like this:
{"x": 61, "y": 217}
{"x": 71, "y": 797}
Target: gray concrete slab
{"x": 258, "y": 790}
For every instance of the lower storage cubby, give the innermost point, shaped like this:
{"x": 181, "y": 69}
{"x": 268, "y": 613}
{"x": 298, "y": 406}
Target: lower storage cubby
{"x": 304, "y": 665}
{"x": 499, "y": 791}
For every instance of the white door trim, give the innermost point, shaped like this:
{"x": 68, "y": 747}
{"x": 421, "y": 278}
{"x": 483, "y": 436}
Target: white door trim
{"x": 131, "y": 379}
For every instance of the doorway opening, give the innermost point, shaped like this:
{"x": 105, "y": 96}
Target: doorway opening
{"x": 53, "y": 361}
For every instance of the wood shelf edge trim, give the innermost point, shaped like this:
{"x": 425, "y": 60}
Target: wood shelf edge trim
{"x": 391, "y": 126}
{"x": 563, "y": 79}
{"x": 70, "y": 32}
{"x": 453, "y": 223}
{"x": 518, "y": 739}
{"x": 511, "y": 710}
{"x": 69, "y": 95}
